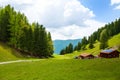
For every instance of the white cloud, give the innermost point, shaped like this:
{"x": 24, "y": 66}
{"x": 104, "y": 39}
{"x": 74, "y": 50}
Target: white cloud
{"x": 116, "y": 3}
{"x": 65, "y": 19}
{"x": 75, "y": 31}
{"x": 53, "y": 13}
{"x": 113, "y": 2}
{"x": 117, "y": 7}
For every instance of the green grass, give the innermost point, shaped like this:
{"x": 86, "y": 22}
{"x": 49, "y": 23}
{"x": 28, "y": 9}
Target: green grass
{"x": 94, "y": 51}
{"x": 114, "y": 41}
{"x": 7, "y": 53}
{"x": 62, "y": 69}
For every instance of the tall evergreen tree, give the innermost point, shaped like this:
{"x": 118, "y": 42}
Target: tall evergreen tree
{"x": 79, "y": 46}
{"x": 62, "y": 52}
{"x": 4, "y": 23}
{"x": 103, "y": 39}
{"x": 17, "y": 32}
{"x": 84, "y": 42}
{"x": 75, "y": 48}
{"x": 50, "y": 44}
{"x": 70, "y": 46}
{"x": 91, "y": 41}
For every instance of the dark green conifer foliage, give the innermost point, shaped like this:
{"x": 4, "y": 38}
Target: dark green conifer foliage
{"x": 18, "y": 33}
{"x": 103, "y": 39}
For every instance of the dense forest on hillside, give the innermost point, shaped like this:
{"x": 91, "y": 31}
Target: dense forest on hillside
{"x": 102, "y": 35}
{"x": 17, "y": 32}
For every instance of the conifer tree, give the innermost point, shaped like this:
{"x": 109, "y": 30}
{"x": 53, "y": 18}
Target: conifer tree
{"x": 91, "y": 41}
{"x": 70, "y": 47}
{"x": 79, "y": 46}
{"x": 103, "y": 39}
{"x": 50, "y": 44}
{"x": 62, "y": 52}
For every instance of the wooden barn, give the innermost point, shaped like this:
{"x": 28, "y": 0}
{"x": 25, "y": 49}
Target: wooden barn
{"x": 110, "y": 53}
{"x": 86, "y": 56}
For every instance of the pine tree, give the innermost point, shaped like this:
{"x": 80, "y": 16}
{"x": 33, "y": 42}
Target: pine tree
{"x": 75, "y": 48}
{"x": 91, "y": 45}
{"x": 91, "y": 41}
{"x": 18, "y": 33}
{"x": 62, "y": 52}
{"x": 4, "y": 23}
{"x": 79, "y": 46}
{"x": 84, "y": 42}
{"x": 70, "y": 47}
{"x": 67, "y": 49}
{"x": 103, "y": 39}
{"x": 50, "y": 44}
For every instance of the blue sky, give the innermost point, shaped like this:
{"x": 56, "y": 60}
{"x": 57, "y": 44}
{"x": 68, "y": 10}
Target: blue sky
{"x": 103, "y": 9}
{"x": 68, "y": 19}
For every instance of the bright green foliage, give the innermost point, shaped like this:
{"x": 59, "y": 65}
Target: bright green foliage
{"x": 50, "y": 44}
{"x": 109, "y": 30}
{"x": 18, "y": 33}
{"x": 103, "y": 39}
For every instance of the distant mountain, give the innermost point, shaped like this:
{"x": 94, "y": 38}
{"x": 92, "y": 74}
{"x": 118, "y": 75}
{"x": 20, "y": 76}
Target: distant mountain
{"x": 60, "y": 44}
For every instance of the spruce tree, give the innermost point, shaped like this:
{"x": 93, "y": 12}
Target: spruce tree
{"x": 4, "y": 23}
{"x": 103, "y": 39}
{"x": 79, "y": 46}
{"x": 91, "y": 41}
{"x": 50, "y": 44}
{"x": 84, "y": 43}
{"x": 75, "y": 48}
{"x": 70, "y": 47}
{"x": 62, "y": 52}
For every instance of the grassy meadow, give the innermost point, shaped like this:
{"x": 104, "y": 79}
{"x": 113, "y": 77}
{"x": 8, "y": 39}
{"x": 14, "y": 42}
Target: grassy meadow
{"x": 114, "y": 41}
{"x": 7, "y": 53}
{"x": 62, "y": 69}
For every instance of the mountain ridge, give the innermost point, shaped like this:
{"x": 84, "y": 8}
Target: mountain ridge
{"x": 60, "y": 44}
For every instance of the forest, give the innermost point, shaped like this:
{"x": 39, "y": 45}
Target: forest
{"x": 18, "y": 33}
{"x": 102, "y": 35}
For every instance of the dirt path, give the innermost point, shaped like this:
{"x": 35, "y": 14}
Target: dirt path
{"x": 16, "y": 61}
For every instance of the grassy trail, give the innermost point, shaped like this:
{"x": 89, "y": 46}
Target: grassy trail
{"x": 17, "y": 61}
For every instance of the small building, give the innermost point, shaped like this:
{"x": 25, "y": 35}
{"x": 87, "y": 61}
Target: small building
{"x": 86, "y": 56}
{"x": 110, "y": 53}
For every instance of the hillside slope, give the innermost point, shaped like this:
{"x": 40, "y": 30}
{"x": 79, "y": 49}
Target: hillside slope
{"x": 112, "y": 42}
{"x": 7, "y": 53}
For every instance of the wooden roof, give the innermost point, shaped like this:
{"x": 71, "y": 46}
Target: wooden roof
{"x": 85, "y": 54}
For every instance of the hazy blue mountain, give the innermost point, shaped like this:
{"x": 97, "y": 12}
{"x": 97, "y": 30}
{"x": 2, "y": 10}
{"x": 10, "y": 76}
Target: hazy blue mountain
{"x": 60, "y": 44}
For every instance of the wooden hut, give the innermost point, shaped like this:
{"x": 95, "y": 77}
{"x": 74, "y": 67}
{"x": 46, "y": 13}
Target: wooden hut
{"x": 110, "y": 53}
{"x": 86, "y": 56}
